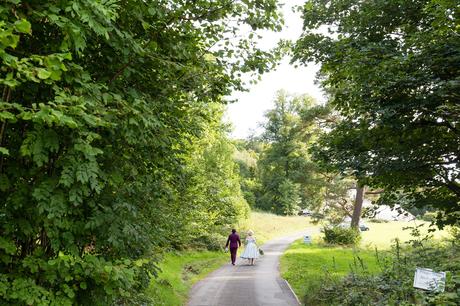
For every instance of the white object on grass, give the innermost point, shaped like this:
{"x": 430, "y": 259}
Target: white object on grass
{"x": 427, "y": 279}
{"x": 307, "y": 240}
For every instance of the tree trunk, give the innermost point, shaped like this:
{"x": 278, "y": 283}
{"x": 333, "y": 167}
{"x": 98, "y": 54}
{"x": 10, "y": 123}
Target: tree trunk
{"x": 358, "y": 206}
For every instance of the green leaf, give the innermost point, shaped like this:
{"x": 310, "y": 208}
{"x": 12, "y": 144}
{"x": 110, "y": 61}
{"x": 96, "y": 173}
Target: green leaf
{"x": 56, "y": 75}
{"x": 43, "y": 73}
{"x": 70, "y": 293}
{"x": 145, "y": 25}
{"x": 4, "y": 151}
{"x": 23, "y": 26}
{"x": 5, "y": 115}
{"x": 67, "y": 56}
{"x": 8, "y": 39}
{"x": 8, "y": 246}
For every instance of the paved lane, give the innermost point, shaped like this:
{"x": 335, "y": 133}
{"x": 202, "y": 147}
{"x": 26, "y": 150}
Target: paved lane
{"x": 244, "y": 285}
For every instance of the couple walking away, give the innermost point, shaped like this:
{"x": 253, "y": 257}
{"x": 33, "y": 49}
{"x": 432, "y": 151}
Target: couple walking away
{"x": 250, "y": 252}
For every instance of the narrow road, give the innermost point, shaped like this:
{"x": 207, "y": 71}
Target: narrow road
{"x": 244, "y": 285}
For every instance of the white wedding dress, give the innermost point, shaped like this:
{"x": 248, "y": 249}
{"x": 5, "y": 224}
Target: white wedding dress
{"x": 251, "y": 250}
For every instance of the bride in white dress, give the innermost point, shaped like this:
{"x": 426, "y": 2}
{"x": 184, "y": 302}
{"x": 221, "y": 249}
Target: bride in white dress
{"x": 251, "y": 252}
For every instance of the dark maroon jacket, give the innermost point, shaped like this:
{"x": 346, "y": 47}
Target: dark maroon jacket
{"x": 234, "y": 241}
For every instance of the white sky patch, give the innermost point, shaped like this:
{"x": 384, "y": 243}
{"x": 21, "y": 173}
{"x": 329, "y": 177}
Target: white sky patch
{"x": 248, "y": 112}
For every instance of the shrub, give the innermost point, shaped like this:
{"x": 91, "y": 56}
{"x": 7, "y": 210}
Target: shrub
{"x": 210, "y": 242}
{"x": 454, "y": 234}
{"x": 340, "y": 235}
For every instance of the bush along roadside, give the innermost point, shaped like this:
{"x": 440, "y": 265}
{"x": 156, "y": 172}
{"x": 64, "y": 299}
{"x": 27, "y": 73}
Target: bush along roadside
{"x": 341, "y": 236}
{"x": 394, "y": 284}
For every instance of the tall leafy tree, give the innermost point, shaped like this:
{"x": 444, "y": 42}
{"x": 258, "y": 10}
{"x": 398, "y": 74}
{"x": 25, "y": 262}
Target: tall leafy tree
{"x": 100, "y": 101}
{"x": 336, "y": 203}
{"x": 289, "y": 179}
{"x": 213, "y": 184}
{"x": 247, "y": 156}
{"x": 392, "y": 71}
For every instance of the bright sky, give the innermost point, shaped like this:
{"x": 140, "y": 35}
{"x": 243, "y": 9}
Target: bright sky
{"x": 246, "y": 114}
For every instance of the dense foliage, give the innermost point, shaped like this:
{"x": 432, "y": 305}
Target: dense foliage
{"x": 212, "y": 189}
{"x": 108, "y": 112}
{"x": 276, "y": 169}
{"x": 341, "y": 235}
{"x": 288, "y": 177}
{"x": 247, "y": 156}
{"x": 392, "y": 71}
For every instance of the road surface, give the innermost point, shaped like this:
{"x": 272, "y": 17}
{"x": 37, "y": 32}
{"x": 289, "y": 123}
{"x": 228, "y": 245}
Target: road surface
{"x": 244, "y": 285}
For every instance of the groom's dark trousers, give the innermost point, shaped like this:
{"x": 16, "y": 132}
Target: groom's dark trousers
{"x": 233, "y": 254}
{"x": 234, "y": 242}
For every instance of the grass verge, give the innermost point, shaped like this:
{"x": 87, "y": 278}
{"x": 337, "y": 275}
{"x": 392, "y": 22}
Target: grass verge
{"x": 179, "y": 271}
{"x": 304, "y": 266}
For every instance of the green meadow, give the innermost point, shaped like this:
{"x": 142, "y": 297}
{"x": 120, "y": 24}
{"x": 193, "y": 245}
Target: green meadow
{"x": 305, "y": 266}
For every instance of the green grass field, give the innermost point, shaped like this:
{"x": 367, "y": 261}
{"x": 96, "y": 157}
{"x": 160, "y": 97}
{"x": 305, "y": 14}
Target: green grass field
{"x": 181, "y": 270}
{"x": 267, "y": 226}
{"x": 304, "y": 266}
{"x": 382, "y": 235}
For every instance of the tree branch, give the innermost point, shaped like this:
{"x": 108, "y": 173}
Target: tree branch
{"x": 120, "y": 71}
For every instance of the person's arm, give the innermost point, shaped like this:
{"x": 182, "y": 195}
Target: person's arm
{"x": 228, "y": 241}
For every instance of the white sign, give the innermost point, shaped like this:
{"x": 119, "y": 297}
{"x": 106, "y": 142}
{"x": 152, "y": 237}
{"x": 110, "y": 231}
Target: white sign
{"x": 428, "y": 280}
{"x": 307, "y": 240}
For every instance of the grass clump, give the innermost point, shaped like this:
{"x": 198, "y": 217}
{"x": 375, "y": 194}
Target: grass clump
{"x": 304, "y": 266}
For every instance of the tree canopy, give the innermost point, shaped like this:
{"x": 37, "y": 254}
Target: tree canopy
{"x": 106, "y": 109}
{"x": 289, "y": 179}
{"x": 391, "y": 69}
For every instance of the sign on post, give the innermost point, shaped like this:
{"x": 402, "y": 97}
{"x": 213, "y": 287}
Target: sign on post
{"x": 307, "y": 239}
{"x": 427, "y": 279}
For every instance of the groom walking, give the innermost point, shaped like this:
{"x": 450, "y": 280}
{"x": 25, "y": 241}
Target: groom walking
{"x": 235, "y": 242}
